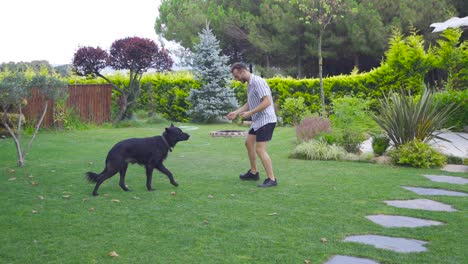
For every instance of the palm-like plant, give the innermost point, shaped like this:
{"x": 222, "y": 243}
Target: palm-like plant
{"x": 404, "y": 119}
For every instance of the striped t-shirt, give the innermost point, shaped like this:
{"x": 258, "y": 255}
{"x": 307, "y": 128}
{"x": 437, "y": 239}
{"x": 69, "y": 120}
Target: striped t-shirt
{"x": 256, "y": 90}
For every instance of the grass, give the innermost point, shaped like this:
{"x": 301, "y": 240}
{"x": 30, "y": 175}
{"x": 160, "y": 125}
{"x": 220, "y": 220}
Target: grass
{"x": 213, "y": 217}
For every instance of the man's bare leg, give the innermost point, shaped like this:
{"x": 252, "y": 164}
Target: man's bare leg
{"x": 261, "y": 150}
{"x": 250, "y": 145}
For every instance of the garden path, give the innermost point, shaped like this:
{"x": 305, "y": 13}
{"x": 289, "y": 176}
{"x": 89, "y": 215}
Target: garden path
{"x": 404, "y": 245}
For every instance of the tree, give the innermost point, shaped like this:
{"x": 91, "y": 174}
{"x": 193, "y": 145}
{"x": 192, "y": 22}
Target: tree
{"x": 321, "y": 12}
{"x": 363, "y": 40}
{"x": 215, "y": 98}
{"x": 15, "y": 88}
{"x": 268, "y": 33}
{"x": 137, "y": 55}
{"x": 451, "y": 59}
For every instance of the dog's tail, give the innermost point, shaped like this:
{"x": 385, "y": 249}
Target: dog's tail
{"x": 92, "y": 177}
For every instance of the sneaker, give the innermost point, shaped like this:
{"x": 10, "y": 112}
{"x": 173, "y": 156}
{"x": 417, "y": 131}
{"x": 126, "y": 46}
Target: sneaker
{"x": 248, "y": 176}
{"x": 268, "y": 183}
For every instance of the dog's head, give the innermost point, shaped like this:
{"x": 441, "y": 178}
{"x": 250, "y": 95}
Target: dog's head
{"x": 174, "y": 134}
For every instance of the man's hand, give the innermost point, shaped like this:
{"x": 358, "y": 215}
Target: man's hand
{"x": 232, "y": 115}
{"x": 246, "y": 114}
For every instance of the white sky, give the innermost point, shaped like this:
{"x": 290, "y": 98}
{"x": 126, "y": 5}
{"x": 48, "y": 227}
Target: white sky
{"x": 53, "y": 30}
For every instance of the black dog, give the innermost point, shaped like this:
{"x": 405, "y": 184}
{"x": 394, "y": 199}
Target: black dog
{"x": 150, "y": 152}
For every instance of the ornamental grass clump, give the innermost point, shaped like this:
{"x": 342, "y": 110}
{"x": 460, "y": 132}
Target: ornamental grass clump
{"x": 403, "y": 118}
{"x": 310, "y": 127}
{"x": 318, "y": 150}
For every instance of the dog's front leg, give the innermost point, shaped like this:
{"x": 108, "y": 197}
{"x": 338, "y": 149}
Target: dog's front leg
{"x": 149, "y": 177}
{"x": 164, "y": 170}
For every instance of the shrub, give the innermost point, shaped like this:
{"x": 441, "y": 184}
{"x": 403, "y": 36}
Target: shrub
{"x": 293, "y": 111}
{"x": 459, "y": 117}
{"x": 417, "y": 154}
{"x": 167, "y": 94}
{"x": 380, "y": 144}
{"x": 310, "y": 127}
{"x": 318, "y": 150}
{"x": 454, "y": 160}
{"x": 331, "y": 138}
{"x": 351, "y": 140}
{"x": 404, "y": 120}
{"x": 352, "y": 113}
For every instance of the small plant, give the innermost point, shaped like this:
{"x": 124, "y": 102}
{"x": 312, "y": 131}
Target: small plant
{"x": 310, "y": 127}
{"x": 318, "y": 150}
{"x": 380, "y": 144}
{"x": 351, "y": 141}
{"x": 331, "y": 138}
{"x": 293, "y": 111}
{"x": 454, "y": 160}
{"x": 417, "y": 154}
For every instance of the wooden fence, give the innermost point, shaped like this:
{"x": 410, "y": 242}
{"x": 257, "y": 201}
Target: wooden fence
{"x": 92, "y": 103}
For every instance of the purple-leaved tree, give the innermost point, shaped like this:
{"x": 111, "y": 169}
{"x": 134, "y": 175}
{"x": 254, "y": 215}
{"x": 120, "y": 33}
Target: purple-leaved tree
{"x": 137, "y": 55}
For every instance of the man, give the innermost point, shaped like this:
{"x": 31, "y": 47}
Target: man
{"x": 260, "y": 108}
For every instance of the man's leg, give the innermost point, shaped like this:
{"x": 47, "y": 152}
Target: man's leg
{"x": 261, "y": 150}
{"x": 250, "y": 145}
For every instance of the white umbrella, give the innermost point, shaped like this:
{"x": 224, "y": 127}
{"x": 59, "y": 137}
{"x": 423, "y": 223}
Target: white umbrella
{"x": 454, "y": 22}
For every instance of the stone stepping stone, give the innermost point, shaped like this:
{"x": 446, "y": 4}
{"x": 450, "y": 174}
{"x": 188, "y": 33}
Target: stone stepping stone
{"x": 397, "y": 244}
{"x": 455, "y": 168}
{"x": 340, "y": 259}
{"x": 433, "y": 191}
{"x": 423, "y": 204}
{"x": 401, "y": 221}
{"x": 447, "y": 179}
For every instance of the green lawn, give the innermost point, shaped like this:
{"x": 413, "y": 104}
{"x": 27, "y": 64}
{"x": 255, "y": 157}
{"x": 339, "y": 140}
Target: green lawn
{"x": 213, "y": 217}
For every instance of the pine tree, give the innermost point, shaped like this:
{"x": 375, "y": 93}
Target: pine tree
{"x": 214, "y": 99}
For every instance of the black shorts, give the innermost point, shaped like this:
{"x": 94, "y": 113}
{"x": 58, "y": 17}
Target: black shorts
{"x": 265, "y": 133}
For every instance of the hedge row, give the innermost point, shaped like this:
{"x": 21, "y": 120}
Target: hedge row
{"x": 167, "y": 93}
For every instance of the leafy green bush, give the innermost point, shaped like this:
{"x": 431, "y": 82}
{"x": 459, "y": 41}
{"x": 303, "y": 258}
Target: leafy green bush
{"x": 351, "y": 140}
{"x": 318, "y": 150}
{"x": 454, "y": 160}
{"x": 459, "y": 117}
{"x": 293, "y": 111}
{"x": 351, "y": 113}
{"x": 380, "y": 144}
{"x": 167, "y": 94}
{"x": 451, "y": 58}
{"x": 417, "y": 154}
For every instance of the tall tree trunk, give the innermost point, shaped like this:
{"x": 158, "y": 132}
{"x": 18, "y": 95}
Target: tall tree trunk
{"x": 17, "y": 136}
{"x": 300, "y": 52}
{"x": 38, "y": 125}
{"x": 356, "y": 61}
{"x": 320, "y": 62}
{"x": 123, "y": 104}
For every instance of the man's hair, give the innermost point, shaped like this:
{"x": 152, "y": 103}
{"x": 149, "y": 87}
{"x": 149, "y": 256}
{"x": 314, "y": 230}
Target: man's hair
{"x": 238, "y": 66}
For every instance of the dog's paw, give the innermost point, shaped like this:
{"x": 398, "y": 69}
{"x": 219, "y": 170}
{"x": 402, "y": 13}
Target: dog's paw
{"x": 175, "y": 184}
{"x": 95, "y": 194}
